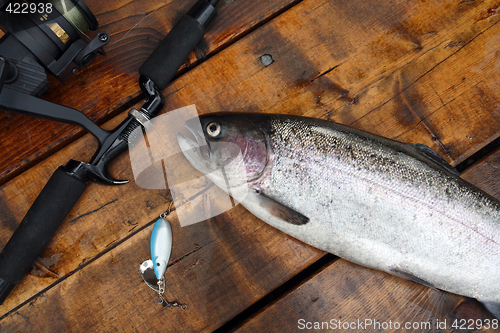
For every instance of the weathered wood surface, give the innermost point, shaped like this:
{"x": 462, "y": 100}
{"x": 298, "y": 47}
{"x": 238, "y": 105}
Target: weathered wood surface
{"x": 104, "y": 88}
{"x": 345, "y": 297}
{"x": 213, "y": 274}
{"x": 413, "y": 71}
{"x": 395, "y": 69}
{"x": 486, "y": 173}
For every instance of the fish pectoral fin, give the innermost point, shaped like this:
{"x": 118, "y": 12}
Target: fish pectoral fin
{"x": 281, "y": 211}
{"x": 493, "y": 307}
{"x": 407, "y": 275}
{"x": 431, "y": 155}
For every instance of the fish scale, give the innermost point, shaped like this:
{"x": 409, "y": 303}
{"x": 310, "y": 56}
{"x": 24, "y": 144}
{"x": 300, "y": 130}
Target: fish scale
{"x": 411, "y": 185}
{"x": 376, "y": 202}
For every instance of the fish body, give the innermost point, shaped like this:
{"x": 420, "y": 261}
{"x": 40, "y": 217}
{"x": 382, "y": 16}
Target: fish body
{"x": 380, "y": 203}
{"x": 161, "y": 246}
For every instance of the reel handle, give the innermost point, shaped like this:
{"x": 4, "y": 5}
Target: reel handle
{"x": 59, "y": 195}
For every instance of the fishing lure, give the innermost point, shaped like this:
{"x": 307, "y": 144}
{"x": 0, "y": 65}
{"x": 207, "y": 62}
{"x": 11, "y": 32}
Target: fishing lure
{"x": 152, "y": 271}
{"x": 161, "y": 247}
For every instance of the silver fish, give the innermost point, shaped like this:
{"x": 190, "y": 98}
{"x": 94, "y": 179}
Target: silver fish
{"x": 391, "y": 206}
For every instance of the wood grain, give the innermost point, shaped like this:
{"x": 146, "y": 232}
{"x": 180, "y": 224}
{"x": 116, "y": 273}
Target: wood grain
{"x": 396, "y": 71}
{"x": 486, "y": 173}
{"x": 346, "y": 297}
{"x": 394, "y": 68}
{"x": 104, "y": 88}
{"x": 220, "y": 267}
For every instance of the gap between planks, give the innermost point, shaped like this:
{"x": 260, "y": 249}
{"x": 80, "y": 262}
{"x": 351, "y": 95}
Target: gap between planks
{"x": 275, "y": 295}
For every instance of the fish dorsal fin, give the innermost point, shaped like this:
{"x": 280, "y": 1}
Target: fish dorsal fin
{"x": 430, "y": 154}
{"x": 280, "y": 211}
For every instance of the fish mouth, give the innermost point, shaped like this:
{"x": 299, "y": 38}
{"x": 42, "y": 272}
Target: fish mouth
{"x": 194, "y": 146}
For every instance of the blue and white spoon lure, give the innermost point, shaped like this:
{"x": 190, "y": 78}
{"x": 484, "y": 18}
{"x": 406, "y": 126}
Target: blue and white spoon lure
{"x": 161, "y": 248}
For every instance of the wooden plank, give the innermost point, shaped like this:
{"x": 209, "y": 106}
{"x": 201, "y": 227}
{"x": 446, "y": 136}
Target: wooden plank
{"x": 347, "y": 293}
{"x": 396, "y": 71}
{"x": 347, "y": 297}
{"x": 136, "y": 28}
{"x": 486, "y": 173}
{"x": 234, "y": 79}
{"x": 220, "y": 267}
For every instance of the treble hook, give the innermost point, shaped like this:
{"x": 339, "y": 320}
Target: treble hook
{"x": 167, "y": 304}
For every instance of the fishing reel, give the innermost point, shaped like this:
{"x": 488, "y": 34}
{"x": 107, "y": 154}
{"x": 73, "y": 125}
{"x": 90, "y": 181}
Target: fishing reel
{"x": 45, "y": 36}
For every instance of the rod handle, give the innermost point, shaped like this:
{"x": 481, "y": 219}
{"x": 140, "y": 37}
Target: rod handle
{"x": 50, "y": 208}
{"x": 168, "y": 57}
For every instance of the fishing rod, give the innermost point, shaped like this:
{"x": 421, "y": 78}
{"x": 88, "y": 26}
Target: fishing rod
{"x": 68, "y": 182}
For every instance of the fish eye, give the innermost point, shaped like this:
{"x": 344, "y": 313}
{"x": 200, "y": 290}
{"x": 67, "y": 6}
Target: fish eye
{"x": 213, "y": 129}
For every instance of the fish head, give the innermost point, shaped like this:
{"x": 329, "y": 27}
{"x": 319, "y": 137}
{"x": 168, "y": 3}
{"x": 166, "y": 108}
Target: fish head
{"x": 159, "y": 267}
{"x": 234, "y": 143}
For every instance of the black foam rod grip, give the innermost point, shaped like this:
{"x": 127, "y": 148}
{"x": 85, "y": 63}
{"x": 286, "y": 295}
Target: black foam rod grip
{"x": 168, "y": 57}
{"x": 59, "y": 195}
